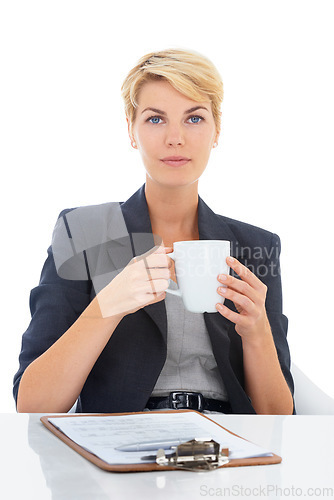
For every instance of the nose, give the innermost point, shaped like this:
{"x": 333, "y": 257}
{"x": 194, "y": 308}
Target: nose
{"x": 174, "y": 136}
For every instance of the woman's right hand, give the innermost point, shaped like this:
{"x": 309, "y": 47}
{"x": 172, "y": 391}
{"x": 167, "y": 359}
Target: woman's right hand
{"x": 142, "y": 282}
{"x": 53, "y": 382}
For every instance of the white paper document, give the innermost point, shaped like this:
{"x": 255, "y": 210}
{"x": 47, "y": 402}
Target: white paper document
{"x": 102, "y": 435}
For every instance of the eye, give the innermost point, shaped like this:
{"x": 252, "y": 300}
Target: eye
{"x": 195, "y": 119}
{"x": 154, "y": 119}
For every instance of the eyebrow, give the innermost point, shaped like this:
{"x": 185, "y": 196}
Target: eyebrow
{"x": 191, "y": 110}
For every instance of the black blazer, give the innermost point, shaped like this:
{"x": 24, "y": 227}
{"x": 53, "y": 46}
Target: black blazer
{"x": 125, "y": 373}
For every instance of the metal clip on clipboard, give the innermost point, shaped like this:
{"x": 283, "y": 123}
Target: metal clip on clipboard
{"x": 195, "y": 455}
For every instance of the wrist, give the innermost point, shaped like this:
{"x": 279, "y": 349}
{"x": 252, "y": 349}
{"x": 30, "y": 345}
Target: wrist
{"x": 260, "y": 339}
{"x": 93, "y": 311}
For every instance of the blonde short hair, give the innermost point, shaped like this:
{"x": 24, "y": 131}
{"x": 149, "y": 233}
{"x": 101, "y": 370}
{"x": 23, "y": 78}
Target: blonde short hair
{"x": 188, "y": 72}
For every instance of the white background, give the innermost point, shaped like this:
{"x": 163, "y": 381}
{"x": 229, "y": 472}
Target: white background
{"x": 64, "y": 139}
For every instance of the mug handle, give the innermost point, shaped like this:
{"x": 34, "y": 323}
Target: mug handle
{"x": 173, "y": 292}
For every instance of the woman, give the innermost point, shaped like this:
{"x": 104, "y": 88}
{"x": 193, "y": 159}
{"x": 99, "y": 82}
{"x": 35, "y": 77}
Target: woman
{"x": 103, "y": 333}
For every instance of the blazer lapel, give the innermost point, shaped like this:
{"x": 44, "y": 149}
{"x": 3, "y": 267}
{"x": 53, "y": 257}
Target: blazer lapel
{"x": 213, "y": 227}
{"x": 137, "y": 219}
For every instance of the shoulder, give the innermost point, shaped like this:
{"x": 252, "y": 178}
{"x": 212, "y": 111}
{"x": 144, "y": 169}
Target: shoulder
{"x": 217, "y": 226}
{"x": 81, "y": 238}
{"x": 93, "y": 221}
{"x": 250, "y": 235}
{"x": 91, "y": 211}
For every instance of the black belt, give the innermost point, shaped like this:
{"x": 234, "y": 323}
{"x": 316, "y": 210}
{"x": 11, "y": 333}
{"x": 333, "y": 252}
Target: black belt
{"x": 188, "y": 400}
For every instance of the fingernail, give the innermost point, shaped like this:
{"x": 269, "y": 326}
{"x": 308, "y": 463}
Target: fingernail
{"x": 222, "y": 290}
{"x": 222, "y": 277}
{"x": 230, "y": 259}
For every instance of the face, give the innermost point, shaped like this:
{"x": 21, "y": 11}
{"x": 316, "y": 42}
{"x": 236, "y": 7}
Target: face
{"x": 173, "y": 133}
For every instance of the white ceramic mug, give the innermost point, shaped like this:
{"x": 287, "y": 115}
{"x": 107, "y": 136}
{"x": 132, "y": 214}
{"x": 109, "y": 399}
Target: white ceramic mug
{"x": 197, "y": 266}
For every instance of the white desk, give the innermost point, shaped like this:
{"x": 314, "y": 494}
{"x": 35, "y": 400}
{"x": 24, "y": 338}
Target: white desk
{"x": 36, "y": 465}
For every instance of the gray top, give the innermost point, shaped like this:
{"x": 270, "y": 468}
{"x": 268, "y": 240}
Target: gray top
{"x": 190, "y": 363}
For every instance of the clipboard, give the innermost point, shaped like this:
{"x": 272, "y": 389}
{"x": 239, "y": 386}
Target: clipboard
{"x": 152, "y": 466}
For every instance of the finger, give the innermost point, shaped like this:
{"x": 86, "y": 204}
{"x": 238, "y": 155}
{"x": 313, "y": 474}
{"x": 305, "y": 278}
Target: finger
{"x": 157, "y": 260}
{"x": 239, "y": 286}
{"x": 242, "y": 300}
{"x": 160, "y": 273}
{"x": 156, "y": 257}
{"x": 154, "y": 260}
{"x": 163, "y": 249}
{"x": 157, "y": 298}
{"x": 153, "y": 251}
{"x": 156, "y": 286}
{"x": 244, "y": 273}
{"x": 232, "y": 316}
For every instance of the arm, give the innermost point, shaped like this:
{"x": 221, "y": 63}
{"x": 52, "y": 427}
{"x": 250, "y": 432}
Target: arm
{"x": 53, "y": 380}
{"x": 265, "y": 383}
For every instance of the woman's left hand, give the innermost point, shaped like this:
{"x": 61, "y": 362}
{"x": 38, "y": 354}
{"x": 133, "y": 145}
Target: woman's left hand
{"x": 249, "y": 296}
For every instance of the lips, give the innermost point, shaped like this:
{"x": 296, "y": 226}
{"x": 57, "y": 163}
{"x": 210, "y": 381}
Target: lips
{"x": 175, "y": 161}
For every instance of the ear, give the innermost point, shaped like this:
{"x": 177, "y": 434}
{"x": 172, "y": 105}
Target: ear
{"x": 129, "y": 129}
{"x": 131, "y": 136}
{"x": 218, "y": 133}
{"x": 215, "y": 142}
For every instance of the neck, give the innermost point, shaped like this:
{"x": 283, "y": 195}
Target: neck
{"x": 172, "y": 208}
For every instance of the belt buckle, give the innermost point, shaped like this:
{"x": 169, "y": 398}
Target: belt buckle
{"x": 181, "y": 400}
